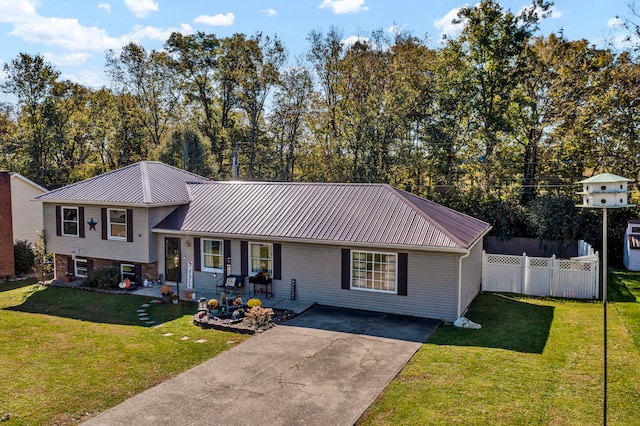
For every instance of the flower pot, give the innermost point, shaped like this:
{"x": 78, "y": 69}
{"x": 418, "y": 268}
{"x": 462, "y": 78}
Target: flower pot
{"x": 175, "y": 301}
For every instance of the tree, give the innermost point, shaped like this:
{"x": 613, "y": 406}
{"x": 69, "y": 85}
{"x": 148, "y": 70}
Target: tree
{"x": 31, "y": 80}
{"x": 41, "y": 258}
{"x": 150, "y": 81}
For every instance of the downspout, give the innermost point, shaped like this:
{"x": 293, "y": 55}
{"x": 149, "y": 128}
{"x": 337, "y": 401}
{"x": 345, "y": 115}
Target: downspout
{"x": 460, "y": 281}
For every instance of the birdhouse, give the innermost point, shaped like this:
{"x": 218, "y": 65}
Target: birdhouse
{"x": 605, "y": 190}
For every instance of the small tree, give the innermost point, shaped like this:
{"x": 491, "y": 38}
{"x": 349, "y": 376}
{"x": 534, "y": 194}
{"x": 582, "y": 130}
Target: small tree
{"x": 41, "y": 259}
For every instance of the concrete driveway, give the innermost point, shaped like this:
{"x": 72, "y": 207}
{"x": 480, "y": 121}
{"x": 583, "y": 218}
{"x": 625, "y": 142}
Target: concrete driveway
{"x": 324, "y": 367}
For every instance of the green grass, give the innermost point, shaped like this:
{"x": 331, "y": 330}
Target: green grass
{"x": 67, "y": 353}
{"x": 534, "y": 362}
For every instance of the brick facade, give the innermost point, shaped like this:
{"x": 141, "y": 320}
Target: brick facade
{"x": 7, "y": 266}
{"x": 148, "y": 270}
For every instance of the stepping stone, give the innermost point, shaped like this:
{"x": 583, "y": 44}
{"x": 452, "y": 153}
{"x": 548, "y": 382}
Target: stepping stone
{"x": 201, "y": 340}
{"x": 145, "y": 305}
{"x": 159, "y": 325}
{"x": 167, "y": 334}
{"x": 141, "y": 310}
{"x": 151, "y": 322}
{"x": 144, "y": 318}
{"x": 142, "y": 314}
{"x": 185, "y": 338}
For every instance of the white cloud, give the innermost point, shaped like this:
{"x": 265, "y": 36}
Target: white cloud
{"x": 395, "y": 29}
{"x": 615, "y": 22}
{"x": 66, "y": 59}
{"x": 93, "y": 79}
{"x": 449, "y": 29}
{"x": 269, "y": 12}
{"x": 218, "y": 20}
{"x": 350, "y": 41}
{"x": 18, "y": 10}
{"x": 106, "y": 7}
{"x": 340, "y": 7}
{"x": 141, "y": 8}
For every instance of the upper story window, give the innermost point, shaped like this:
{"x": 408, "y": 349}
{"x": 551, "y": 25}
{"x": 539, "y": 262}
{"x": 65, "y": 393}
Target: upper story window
{"x": 212, "y": 255}
{"x": 261, "y": 257}
{"x": 117, "y": 224}
{"x": 374, "y": 271}
{"x": 70, "y": 221}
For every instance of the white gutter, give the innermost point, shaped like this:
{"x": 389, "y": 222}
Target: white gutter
{"x": 460, "y": 281}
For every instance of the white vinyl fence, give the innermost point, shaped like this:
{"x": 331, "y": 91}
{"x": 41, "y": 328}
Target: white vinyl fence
{"x": 575, "y": 278}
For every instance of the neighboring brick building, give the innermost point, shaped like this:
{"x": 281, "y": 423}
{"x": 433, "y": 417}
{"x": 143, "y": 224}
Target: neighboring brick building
{"x": 7, "y": 266}
{"x": 20, "y": 216}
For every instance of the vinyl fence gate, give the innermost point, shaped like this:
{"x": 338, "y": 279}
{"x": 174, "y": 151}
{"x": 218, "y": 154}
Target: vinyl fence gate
{"x": 575, "y": 278}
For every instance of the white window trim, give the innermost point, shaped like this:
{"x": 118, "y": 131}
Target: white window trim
{"x": 75, "y": 266}
{"x": 373, "y": 289}
{"x": 202, "y": 254}
{"x": 112, "y": 237}
{"x": 77, "y": 221}
{"x": 251, "y": 271}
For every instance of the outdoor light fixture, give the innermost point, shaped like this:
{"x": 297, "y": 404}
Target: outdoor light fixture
{"x": 604, "y": 191}
{"x": 202, "y": 303}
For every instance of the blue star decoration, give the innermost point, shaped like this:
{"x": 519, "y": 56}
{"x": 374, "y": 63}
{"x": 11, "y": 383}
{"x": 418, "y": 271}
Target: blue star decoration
{"x": 92, "y": 225}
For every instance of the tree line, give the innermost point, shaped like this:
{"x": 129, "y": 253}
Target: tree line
{"x": 499, "y": 122}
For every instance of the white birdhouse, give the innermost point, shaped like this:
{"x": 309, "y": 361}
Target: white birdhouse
{"x": 605, "y": 190}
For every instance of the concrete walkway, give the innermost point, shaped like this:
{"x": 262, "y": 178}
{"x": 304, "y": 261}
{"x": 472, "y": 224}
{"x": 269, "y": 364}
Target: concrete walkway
{"x": 324, "y": 367}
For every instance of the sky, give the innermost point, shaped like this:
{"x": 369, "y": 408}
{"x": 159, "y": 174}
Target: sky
{"x": 73, "y": 35}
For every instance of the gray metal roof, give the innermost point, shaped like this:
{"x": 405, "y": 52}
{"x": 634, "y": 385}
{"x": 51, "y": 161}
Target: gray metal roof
{"x": 354, "y": 213}
{"x": 142, "y": 183}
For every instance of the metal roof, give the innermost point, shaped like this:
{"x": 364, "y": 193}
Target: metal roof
{"x": 142, "y": 183}
{"x": 331, "y": 212}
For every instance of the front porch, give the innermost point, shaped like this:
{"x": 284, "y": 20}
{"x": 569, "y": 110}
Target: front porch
{"x": 193, "y": 295}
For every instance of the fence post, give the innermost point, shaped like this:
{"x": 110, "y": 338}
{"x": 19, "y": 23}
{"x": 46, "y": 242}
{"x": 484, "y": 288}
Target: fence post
{"x": 554, "y": 276}
{"x": 525, "y": 275}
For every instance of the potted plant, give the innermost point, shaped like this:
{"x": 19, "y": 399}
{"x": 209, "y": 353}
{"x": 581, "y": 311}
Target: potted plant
{"x": 175, "y": 298}
{"x": 166, "y": 293}
{"x": 68, "y": 277}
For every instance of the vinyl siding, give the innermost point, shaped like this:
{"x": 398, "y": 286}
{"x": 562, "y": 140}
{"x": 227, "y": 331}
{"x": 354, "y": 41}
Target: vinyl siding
{"x": 27, "y": 214}
{"x": 432, "y": 282}
{"x": 93, "y": 245}
{"x": 471, "y": 276}
{"x": 156, "y": 245}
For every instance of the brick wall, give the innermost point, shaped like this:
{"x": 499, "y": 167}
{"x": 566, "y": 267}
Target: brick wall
{"x": 7, "y": 266}
{"x": 149, "y": 270}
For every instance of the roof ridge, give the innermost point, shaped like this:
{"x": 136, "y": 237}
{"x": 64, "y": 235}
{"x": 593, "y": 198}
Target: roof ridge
{"x": 146, "y": 186}
{"x": 404, "y": 196}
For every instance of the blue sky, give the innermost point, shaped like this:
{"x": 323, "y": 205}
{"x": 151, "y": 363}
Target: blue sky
{"x": 74, "y": 34}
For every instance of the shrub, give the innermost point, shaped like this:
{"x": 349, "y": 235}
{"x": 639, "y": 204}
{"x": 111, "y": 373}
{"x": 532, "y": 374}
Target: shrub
{"x": 107, "y": 277}
{"x": 23, "y": 257}
{"x": 258, "y": 317}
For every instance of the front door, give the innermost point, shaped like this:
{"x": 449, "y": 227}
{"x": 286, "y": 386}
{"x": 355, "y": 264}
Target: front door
{"x": 172, "y": 259}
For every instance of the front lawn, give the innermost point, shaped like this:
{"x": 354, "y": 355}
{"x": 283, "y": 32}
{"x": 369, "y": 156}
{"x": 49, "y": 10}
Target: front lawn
{"x": 534, "y": 362}
{"x": 68, "y": 353}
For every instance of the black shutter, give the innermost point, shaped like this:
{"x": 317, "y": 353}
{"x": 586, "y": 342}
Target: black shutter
{"x": 103, "y": 219}
{"x": 346, "y": 269}
{"x": 70, "y": 266}
{"x": 402, "y": 273}
{"x": 277, "y": 261}
{"x": 244, "y": 258}
{"x": 130, "y": 225}
{"x": 226, "y": 254}
{"x": 81, "y": 222}
{"x": 196, "y": 254}
{"x": 89, "y": 266}
{"x": 58, "y": 221}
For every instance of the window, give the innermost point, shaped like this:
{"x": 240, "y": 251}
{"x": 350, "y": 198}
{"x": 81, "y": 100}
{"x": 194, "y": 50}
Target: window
{"x": 128, "y": 270}
{"x": 373, "y": 271}
{"x": 117, "y": 224}
{"x": 81, "y": 267}
{"x": 261, "y": 258}
{"x": 635, "y": 229}
{"x": 212, "y": 255}
{"x": 70, "y": 221}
